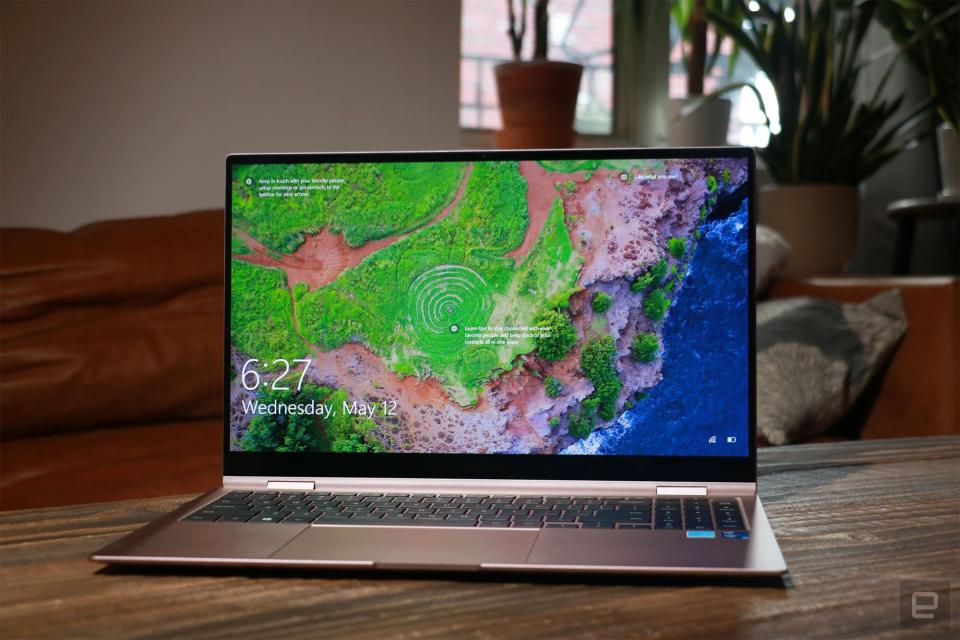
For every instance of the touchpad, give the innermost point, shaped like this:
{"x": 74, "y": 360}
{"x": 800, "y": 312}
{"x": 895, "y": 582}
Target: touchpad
{"x": 420, "y": 547}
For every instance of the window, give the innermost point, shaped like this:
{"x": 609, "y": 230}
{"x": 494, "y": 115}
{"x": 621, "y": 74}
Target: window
{"x": 747, "y": 125}
{"x": 581, "y": 31}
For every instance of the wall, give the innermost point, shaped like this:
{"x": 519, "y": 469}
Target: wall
{"x": 119, "y": 109}
{"x": 913, "y": 173}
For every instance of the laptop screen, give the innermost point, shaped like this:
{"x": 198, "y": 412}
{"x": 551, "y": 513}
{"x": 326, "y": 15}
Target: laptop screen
{"x": 554, "y": 307}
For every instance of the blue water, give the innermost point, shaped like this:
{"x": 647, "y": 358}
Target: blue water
{"x": 705, "y": 386}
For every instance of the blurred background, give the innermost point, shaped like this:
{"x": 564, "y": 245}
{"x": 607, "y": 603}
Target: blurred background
{"x": 121, "y": 109}
{"x": 115, "y": 117}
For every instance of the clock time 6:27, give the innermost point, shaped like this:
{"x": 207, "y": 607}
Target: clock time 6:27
{"x": 250, "y": 378}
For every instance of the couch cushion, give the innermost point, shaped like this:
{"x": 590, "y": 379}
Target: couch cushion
{"x": 111, "y": 464}
{"x": 918, "y": 394}
{"x": 815, "y": 358}
{"x": 115, "y": 323}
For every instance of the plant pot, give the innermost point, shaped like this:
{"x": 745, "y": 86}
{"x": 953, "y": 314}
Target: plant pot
{"x": 538, "y": 101}
{"x": 948, "y": 151}
{"x": 705, "y": 126}
{"x": 818, "y": 220}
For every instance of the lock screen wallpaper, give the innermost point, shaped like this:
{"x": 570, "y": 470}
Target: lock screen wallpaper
{"x": 576, "y": 307}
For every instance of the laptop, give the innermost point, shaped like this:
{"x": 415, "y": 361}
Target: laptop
{"x": 512, "y": 361}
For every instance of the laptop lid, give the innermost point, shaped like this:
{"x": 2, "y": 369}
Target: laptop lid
{"x": 569, "y": 315}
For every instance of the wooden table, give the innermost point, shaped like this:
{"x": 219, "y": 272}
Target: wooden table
{"x": 853, "y": 519}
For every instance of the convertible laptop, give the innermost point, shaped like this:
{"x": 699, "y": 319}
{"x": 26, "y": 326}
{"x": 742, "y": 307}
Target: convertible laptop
{"x": 506, "y": 361}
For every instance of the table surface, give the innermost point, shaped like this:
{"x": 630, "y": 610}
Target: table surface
{"x": 853, "y": 519}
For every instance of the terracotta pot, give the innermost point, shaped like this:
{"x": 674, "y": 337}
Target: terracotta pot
{"x": 538, "y": 101}
{"x": 818, "y": 220}
{"x": 705, "y": 126}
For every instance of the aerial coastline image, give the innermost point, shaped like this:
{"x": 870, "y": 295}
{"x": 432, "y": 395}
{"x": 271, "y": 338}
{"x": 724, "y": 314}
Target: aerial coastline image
{"x": 527, "y": 307}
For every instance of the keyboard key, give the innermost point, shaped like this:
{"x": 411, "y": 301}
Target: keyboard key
{"x": 332, "y": 519}
{"x": 267, "y": 518}
{"x": 556, "y": 517}
{"x": 219, "y": 507}
{"x": 600, "y": 524}
{"x": 395, "y": 521}
{"x": 632, "y": 525}
{"x": 561, "y": 525}
{"x": 527, "y": 523}
{"x": 234, "y": 519}
{"x": 203, "y": 517}
{"x": 300, "y": 518}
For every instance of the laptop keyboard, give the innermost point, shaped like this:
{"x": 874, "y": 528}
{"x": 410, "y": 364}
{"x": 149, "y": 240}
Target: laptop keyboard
{"x": 404, "y": 509}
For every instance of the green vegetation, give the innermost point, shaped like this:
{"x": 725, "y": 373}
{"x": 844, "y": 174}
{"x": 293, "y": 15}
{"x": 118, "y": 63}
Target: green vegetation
{"x": 359, "y": 439}
{"x": 645, "y": 347}
{"x": 570, "y": 186}
{"x": 371, "y": 201}
{"x": 238, "y": 246}
{"x": 580, "y": 427}
{"x": 711, "y": 184}
{"x": 655, "y": 305}
{"x": 726, "y": 176}
{"x": 677, "y": 247}
{"x": 703, "y": 213}
{"x": 300, "y": 432}
{"x": 561, "y": 337}
{"x": 573, "y": 166}
{"x": 412, "y": 302}
{"x": 261, "y": 325}
{"x": 552, "y": 387}
{"x": 554, "y": 422}
{"x": 596, "y": 361}
{"x": 601, "y": 302}
{"x": 653, "y": 276}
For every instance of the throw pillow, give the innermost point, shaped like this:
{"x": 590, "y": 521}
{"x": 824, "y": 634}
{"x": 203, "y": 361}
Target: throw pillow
{"x": 815, "y": 357}
{"x": 773, "y": 251}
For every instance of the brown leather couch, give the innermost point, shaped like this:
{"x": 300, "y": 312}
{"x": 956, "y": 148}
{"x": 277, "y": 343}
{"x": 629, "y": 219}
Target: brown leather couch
{"x": 110, "y": 359}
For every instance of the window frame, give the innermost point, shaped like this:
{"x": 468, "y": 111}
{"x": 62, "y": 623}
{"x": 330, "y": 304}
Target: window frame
{"x": 632, "y": 24}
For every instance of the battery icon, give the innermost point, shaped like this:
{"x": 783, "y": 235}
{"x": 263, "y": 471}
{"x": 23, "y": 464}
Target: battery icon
{"x": 731, "y": 439}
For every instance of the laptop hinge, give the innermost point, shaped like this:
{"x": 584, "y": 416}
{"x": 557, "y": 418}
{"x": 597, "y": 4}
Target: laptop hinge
{"x": 681, "y": 491}
{"x": 290, "y": 485}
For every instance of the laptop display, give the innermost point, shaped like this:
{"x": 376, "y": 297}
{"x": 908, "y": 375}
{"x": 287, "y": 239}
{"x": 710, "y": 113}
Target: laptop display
{"x": 561, "y": 306}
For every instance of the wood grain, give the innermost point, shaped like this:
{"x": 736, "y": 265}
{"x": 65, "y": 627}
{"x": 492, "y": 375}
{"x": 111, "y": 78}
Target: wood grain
{"x": 853, "y": 520}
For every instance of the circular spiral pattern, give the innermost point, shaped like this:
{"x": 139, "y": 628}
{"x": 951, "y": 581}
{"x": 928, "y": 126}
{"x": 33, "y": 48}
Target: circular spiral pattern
{"x": 441, "y": 302}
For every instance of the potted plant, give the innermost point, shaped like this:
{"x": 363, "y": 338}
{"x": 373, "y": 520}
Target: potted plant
{"x": 828, "y": 141}
{"x": 538, "y": 98}
{"x": 929, "y": 33}
{"x": 694, "y": 121}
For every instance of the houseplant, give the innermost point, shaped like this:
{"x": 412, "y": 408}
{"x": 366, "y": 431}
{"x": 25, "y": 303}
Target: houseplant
{"x": 693, "y": 120}
{"x": 538, "y": 98}
{"x": 828, "y": 141}
{"x": 929, "y": 33}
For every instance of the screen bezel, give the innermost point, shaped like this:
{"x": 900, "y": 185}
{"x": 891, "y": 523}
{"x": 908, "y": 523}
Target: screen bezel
{"x": 495, "y": 466}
